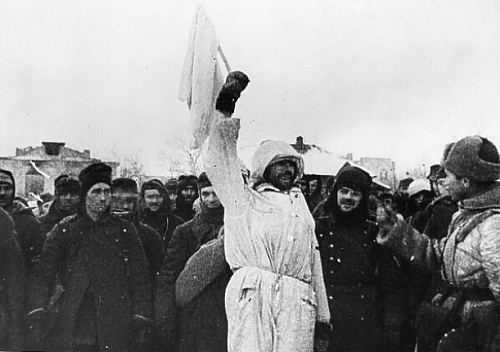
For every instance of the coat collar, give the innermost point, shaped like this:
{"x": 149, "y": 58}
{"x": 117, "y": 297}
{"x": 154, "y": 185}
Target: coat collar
{"x": 488, "y": 199}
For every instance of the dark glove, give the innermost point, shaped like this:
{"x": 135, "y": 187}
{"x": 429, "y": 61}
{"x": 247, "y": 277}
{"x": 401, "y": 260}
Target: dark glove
{"x": 143, "y": 335}
{"x": 322, "y": 332}
{"x": 35, "y": 333}
{"x": 236, "y": 82}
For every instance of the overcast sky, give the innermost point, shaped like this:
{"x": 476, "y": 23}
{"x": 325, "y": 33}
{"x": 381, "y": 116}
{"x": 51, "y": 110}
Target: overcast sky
{"x": 376, "y": 78}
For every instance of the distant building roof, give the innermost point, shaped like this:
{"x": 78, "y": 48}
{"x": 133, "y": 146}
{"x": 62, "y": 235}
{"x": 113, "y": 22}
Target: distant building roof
{"x": 318, "y": 161}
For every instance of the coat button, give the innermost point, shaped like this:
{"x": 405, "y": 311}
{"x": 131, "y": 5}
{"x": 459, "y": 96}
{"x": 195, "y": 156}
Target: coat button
{"x": 331, "y": 246}
{"x": 331, "y": 259}
{"x": 330, "y": 298}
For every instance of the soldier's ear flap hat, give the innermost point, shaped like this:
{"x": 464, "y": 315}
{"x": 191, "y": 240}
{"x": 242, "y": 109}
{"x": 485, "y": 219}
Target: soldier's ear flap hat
{"x": 66, "y": 184}
{"x": 153, "y": 184}
{"x": 355, "y": 178}
{"x": 124, "y": 184}
{"x": 473, "y": 157}
{"x": 93, "y": 174}
{"x": 203, "y": 181}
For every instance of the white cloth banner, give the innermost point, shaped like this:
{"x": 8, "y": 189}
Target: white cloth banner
{"x": 201, "y": 78}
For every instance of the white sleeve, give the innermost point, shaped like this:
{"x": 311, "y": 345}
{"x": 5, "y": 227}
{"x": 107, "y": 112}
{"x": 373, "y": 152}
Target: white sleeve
{"x": 222, "y": 164}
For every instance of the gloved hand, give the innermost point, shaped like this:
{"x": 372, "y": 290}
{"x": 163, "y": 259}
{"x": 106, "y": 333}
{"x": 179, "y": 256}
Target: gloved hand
{"x": 322, "y": 333}
{"x": 230, "y": 92}
{"x": 35, "y": 333}
{"x": 143, "y": 335}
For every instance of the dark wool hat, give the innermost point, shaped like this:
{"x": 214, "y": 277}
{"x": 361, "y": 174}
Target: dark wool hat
{"x": 405, "y": 182}
{"x": 93, "y": 174}
{"x": 203, "y": 181}
{"x": 355, "y": 178}
{"x": 171, "y": 184}
{"x": 434, "y": 169}
{"x": 473, "y": 157}
{"x": 124, "y": 184}
{"x": 66, "y": 184}
{"x": 153, "y": 184}
{"x": 446, "y": 151}
{"x": 187, "y": 181}
{"x": 9, "y": 178}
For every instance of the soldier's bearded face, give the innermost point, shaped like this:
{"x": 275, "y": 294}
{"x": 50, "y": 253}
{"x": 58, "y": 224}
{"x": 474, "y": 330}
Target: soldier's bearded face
{"x": 189, "y": 194}
{"x": 282, "y": 174}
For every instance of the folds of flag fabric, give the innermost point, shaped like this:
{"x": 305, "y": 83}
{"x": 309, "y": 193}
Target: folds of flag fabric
{"x": 201, "y": 78}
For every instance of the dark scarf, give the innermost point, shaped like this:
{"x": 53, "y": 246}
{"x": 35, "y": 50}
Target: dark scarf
{"x": 213, "y": 216}
{"x": 155, "y": 219}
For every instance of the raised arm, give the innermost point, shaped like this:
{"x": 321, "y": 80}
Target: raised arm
{"x": 222, "y": 164}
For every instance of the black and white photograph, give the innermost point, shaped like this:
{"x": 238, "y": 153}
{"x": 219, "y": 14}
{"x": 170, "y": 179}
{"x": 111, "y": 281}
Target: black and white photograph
{"x": 250, "y": 176}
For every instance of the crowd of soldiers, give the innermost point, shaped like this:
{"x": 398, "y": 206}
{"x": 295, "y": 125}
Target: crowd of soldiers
{"x": 106, "y": 265}
{"x": 240, "y": 261}
{"x": 54, "y": 251}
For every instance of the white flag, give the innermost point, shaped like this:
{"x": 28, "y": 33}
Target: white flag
{"x": 201, "y": 78}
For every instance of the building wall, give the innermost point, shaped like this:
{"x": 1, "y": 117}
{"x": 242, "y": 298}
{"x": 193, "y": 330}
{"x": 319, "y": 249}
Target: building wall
{"x": 382, "y": 167}
{"x": 52, "y": 168}
{"x": 68, "y": 161}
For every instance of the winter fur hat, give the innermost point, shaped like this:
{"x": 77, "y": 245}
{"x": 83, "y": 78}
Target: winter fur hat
{"x": 186, "y": 181}
{"x": 405, "y": 182}
{"x": 355, "y": 178}
{"x": 124, "y": 184}
{"x": 434, "y": 169}
{"x": 66, "y": 184}
{"x": 203, "y": 181}
{"x": 153, "y": 184}
{"x": 171, "y": 185}
{"x": 93, "y": 174}
{"x": 473, "y": 157}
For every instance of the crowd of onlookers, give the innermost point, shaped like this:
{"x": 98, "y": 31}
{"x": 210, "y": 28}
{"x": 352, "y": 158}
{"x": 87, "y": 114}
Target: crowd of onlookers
{"x": 156, "y": 210}
{"x": 108, "y": 264}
